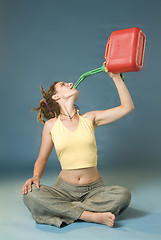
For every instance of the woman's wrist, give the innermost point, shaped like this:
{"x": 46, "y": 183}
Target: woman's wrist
{"x": 36, "y": 176}
{"x": 117, "y": 78}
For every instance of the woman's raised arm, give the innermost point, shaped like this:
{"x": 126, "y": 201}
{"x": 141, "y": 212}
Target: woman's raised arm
{"x": 110, "y": 115}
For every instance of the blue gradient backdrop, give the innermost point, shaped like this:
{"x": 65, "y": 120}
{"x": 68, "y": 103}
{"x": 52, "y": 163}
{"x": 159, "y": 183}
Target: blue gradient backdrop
{"x": 42, "y": 41}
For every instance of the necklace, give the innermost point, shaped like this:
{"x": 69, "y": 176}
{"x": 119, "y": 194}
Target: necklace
{"x": 69, "y": 115}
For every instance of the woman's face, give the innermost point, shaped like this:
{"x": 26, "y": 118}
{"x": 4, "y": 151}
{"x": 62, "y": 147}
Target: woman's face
{"x": 65, "y": 90}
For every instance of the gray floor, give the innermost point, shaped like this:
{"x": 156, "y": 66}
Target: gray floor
{"x": 142, "y": 220}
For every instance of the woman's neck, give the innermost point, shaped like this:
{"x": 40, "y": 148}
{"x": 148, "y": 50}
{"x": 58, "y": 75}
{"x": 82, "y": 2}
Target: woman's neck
{"x": 69, "y": 116}
{"x": 68, "y": 111}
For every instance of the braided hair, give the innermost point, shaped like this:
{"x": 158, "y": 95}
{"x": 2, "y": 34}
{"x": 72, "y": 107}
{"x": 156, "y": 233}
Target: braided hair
{"x": 48, "y": 108}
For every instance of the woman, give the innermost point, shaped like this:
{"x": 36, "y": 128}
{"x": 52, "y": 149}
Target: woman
{"x": 79, "y": 192}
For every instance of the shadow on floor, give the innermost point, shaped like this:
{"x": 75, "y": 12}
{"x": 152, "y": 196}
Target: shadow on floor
{"x": 69, "y": 228}
{"x": 130, "y": 213}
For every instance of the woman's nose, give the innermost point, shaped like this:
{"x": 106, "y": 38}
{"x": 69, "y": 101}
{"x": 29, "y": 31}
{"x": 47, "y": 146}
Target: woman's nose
{"x": 71, "y": 85}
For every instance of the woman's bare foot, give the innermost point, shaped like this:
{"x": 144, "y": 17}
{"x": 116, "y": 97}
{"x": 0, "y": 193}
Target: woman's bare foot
{"x": 106, "y": 218}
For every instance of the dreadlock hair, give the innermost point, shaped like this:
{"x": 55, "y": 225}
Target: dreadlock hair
{"x": 44, "y": 111}
{"x": 51, "y": 108}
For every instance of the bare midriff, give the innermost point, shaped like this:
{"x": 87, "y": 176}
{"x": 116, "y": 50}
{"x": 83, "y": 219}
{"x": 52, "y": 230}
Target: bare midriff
{"x": 80, "y": 176}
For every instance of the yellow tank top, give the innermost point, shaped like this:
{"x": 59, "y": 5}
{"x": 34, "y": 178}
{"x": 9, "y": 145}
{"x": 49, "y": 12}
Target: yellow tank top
{"x": 75, "y": 149}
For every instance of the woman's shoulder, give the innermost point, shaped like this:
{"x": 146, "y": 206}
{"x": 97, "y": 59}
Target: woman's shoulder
{"x": 89, "y": 115}
{"x": 50, "y": 123}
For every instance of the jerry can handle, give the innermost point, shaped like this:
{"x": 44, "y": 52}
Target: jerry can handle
{"x": 107, "y": 48}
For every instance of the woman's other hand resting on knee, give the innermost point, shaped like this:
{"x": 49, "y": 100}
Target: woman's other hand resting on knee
{"x": 28, "y": 184}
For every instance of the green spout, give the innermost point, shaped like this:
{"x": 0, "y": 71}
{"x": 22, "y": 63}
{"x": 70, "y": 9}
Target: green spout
{"x": 89, "y": 73}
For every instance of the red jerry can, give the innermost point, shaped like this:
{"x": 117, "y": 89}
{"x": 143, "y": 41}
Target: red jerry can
{"x": 125, "y": 50}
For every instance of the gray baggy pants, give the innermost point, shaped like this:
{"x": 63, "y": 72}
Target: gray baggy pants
{"x": 63, "y": 203}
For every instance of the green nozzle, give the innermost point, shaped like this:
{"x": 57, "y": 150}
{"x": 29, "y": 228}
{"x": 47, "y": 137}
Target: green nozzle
{"x": 89, "y": 73}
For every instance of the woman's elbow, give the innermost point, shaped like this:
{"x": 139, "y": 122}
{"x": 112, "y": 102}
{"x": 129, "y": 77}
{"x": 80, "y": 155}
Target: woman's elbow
{"x": 131, "y": 108}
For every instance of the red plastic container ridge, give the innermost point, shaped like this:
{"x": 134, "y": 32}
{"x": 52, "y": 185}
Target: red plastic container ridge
{"x": 125, "y": 50}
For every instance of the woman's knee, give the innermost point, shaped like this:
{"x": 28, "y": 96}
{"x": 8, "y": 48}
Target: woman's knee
{"x": 124, "y": 195}
{"x": 31, "y": 196}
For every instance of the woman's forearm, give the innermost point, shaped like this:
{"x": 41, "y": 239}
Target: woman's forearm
{"x": 123, "y": 92}
{"x": 39, "y": 168}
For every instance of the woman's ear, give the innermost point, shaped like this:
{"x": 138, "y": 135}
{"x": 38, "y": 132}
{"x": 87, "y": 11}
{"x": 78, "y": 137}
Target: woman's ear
{"x": 55, "y": 97}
